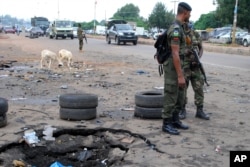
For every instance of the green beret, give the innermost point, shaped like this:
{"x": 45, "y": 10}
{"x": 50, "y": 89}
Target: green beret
{"x": 185, "y": 6}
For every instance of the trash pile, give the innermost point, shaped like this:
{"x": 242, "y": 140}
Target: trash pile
{"x": 57, "y": 147}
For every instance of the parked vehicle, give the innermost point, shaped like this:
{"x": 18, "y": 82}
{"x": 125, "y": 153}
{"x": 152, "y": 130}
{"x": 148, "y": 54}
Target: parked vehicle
{"x": 75, "y": 32}
{"x": 47, "y": 32}
{"x": 246, "y": 40}
{"x": 34, "y": 32}
{"x": 41, "y": 22}
{"x": 9, "y": 29}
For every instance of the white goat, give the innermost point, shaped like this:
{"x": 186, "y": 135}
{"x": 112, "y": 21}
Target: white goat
{"x": 65, "y": 55}
{"x": 48, "y": 56}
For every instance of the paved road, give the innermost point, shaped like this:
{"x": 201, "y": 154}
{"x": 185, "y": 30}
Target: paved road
{"x": 147, "y": 51}
{"x": 227, "y": 60}
{"x": 141, "y": 50}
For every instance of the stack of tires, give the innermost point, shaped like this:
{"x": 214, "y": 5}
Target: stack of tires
{"x": 3, "y": 110}
{"x": 149, "y": 104}
{"x": 78, "y": 106}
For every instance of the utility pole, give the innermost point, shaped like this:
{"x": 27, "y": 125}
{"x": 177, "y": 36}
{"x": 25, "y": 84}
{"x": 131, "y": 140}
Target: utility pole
{"x": 234, "y": 22}
{"x": 58, "y": 12}
{"x": 174, "y": 4}
{"x": 95, "y": 16}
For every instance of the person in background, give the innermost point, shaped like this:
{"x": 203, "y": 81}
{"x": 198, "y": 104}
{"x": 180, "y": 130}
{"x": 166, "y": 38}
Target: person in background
{"x": 80, "y": 36}
{"x": 174, "y": 81}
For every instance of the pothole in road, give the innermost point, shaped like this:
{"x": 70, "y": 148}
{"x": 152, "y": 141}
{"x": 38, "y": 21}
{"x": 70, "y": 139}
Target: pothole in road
{"x": 101, "y": 147}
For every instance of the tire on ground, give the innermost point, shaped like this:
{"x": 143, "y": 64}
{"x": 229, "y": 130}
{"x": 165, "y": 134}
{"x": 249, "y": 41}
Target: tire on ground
{"x": 77, "y": 114}
{"x": 3, "y": 120}
{"x": 149, "y": 99}
{"x": 78, "y": 101}
{"x": 148, "y": 113}
{"x": 3, "y": 106}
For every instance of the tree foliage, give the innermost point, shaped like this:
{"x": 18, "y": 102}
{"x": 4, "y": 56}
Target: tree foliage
{"x": 160, "y": 17}
{"x": 226, "y": 8}
{"x": 128, "y": 12}
{"x": 209, "y": 20}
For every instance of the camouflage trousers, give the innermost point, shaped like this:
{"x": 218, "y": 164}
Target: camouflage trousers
{"x": 197, "y": 81}
{"x": 80, "y": 44}
{"x": 173, "y": 94}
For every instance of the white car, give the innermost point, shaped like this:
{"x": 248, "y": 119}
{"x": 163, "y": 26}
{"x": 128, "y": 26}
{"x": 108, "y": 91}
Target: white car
{"x": 75, "y": 32}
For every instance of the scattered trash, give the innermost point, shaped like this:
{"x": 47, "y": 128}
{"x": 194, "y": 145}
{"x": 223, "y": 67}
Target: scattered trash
{"x": 128, "y": 109}
{"x": 104, "y": 161}
{"x": 64, "y": 87}
{"x": 140, "y": 72}
{"x": 242, "y": 111}
{"x": 3, "y": 76}
{"x": 159, "y": 87}
{"x": 128, "y": 140}
{"x": 218, "y": 149}
{"x": 78, "y": 76}
{"x": 89, "y": 69}
{"x": 30, "y": 137}
{"x": 48, "y": 132}
{"x": 17, "y": 163}
{"x": 204, "y": 155}
{"x": 84, "y": 155}
{"x": 18, "y": 98}
{"x": 58, "y": 164}
{"x": 39, "y": 80}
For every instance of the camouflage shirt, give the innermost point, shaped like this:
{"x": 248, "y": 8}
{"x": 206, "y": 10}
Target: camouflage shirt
{"x": 176, "y": 36}
{"x": 193, "y": 40}
{"x": 79, "y": 33}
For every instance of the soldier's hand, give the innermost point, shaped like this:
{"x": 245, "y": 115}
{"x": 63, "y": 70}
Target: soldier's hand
{"x": 181, "y": 81}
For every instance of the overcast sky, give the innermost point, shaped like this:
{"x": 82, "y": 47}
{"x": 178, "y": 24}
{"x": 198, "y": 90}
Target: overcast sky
{"x": 86, "y": 10}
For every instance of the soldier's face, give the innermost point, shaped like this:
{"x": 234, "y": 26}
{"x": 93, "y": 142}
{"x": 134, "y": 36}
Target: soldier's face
{"x": 187, "y": 16}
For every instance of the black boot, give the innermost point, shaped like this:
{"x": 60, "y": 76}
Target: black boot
{"x": 200, "y": 113}
{"x": 183, "y": 113}
{"x": 177, "y": 123}
{"x": 168, "y": 127}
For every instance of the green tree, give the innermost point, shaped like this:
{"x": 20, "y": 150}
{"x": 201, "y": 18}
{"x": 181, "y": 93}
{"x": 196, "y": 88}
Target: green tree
{"x": 209, "y": 20}
{"x": 160, "y": 17}
{"x": 225, "y": 12}
{"x": 129, "y": 12}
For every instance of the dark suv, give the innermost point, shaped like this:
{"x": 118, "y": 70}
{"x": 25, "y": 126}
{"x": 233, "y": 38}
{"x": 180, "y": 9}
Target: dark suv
{"x": 120, "y": 32}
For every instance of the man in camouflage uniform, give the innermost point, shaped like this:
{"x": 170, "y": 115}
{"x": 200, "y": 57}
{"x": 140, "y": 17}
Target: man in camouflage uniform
{"x": 80, "y": 36}
{"x": 174, "y": 81}
{"x": 192, "y": 72}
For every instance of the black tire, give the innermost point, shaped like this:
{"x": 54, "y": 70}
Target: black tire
{"x": 77, "y": 114}
{"x": 135, "y": 42}
{"x": 3, "y": 106}
{"x": 148, "y": 113}
{"x": 117, "y": 40}
{"x": 78, "y": 101}
{"x": 149, "y": 99}
{"x": 3, "y": 120}
{"x": 245, "y": 43}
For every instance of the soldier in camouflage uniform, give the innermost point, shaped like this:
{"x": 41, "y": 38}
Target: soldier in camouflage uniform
{"x": 192, "y": 72}
{"x": 174, "y": 81}
{"x": 80, "y": 36}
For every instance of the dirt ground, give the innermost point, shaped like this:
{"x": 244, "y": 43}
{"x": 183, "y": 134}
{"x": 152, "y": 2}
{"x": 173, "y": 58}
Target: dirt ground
{"x": 33, "y": 96}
